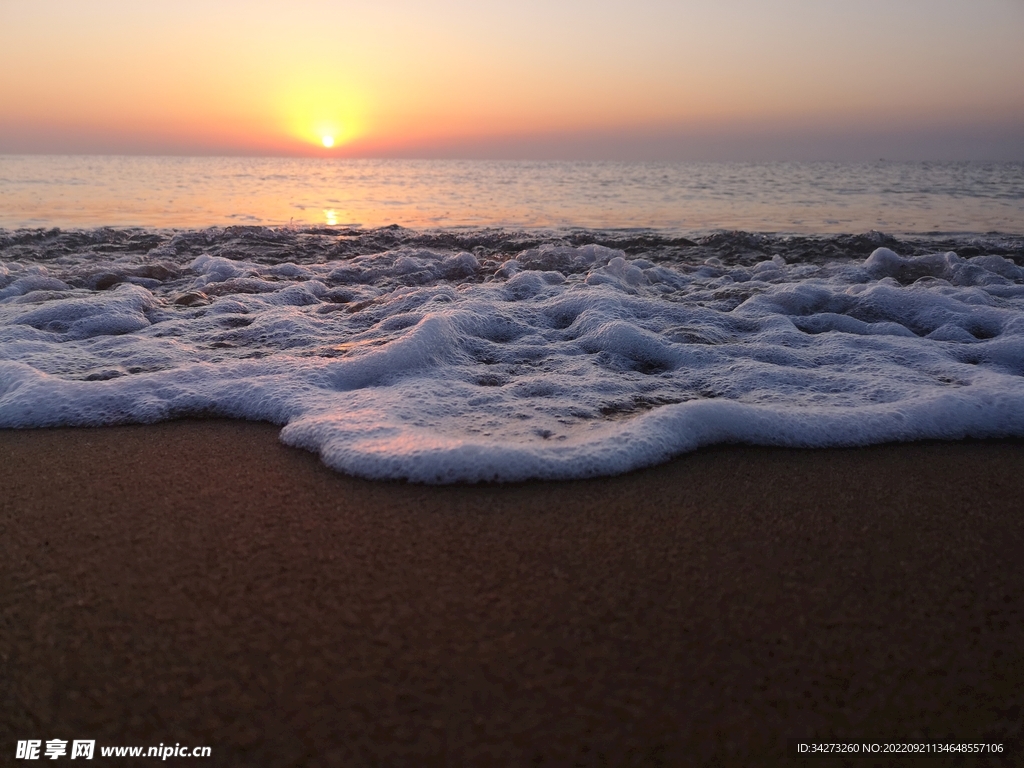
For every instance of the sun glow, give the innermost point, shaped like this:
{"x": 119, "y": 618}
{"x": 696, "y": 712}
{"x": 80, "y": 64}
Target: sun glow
{"x": 327, "y": 115}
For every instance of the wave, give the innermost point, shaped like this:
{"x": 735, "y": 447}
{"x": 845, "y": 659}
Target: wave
{"x": 486, "y": 355}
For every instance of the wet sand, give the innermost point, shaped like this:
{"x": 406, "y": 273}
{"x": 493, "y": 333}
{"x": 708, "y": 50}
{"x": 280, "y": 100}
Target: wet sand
{"x": 199, "y": 583}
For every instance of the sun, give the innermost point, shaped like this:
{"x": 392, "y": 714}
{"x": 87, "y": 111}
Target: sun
{"x": 328, "y": 141}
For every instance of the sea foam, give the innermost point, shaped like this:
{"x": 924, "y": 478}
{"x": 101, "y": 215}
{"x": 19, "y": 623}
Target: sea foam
{"x": 554, "y": 360}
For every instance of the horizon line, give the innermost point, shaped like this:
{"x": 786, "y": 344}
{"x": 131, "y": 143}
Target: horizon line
{"x": 470, "y": 159}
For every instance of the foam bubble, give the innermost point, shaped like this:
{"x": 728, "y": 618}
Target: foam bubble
{"x": 442, "y": 366}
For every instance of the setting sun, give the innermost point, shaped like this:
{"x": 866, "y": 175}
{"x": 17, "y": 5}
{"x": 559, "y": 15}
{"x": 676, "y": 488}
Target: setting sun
{"x": 319, "y": 113}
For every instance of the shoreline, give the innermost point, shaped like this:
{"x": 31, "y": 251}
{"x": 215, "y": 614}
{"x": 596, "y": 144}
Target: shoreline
{"x": 199, "y": 582}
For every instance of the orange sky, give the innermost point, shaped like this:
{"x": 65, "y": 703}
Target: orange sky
{"x": 654, "y": 78}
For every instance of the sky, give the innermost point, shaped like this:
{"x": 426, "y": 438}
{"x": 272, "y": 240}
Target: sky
{"x": 516, "y": 79}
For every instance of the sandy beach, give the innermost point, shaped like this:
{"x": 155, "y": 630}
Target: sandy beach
{"x": 198, "y": 582}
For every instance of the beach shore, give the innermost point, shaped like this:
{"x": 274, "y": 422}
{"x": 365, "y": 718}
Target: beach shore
{"x": 199, "y": 583}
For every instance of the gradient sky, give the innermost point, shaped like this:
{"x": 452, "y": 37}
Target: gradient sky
{"x": 617, "y": 79}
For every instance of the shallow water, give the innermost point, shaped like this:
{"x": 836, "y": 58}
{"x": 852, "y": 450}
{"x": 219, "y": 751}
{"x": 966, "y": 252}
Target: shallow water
{"x": 473, "y": 355}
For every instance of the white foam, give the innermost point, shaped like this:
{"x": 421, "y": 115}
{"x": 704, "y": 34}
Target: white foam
{"x": 564, "y": 362}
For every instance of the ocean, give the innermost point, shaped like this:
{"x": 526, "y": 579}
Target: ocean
{"x": 445, "y": 321}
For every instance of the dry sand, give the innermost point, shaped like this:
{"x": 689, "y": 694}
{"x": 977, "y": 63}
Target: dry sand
{"x": 198, "y": 582}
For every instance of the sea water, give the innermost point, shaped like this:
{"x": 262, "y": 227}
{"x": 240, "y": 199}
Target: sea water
{"x": 694, "y": 198}
{"x": 515, "y": 329}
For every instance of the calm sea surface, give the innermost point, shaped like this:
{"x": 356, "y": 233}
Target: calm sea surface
{"x": 807, "y": 198}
